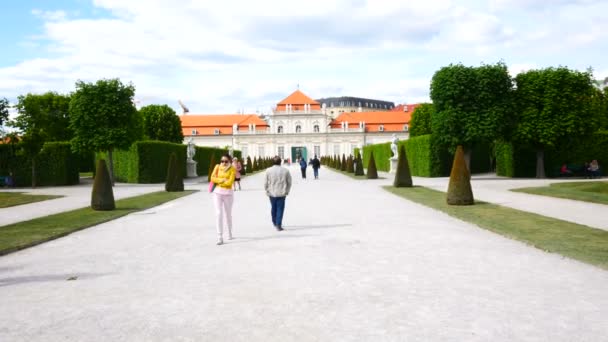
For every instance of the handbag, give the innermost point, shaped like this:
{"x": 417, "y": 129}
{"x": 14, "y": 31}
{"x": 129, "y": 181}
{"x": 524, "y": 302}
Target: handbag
{"x": 212, "y": 185}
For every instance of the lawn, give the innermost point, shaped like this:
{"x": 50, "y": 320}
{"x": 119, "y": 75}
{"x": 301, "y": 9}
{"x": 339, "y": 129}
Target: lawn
{"x": 573, "y": 240}
{"x": 10, "y": 199}
{"x": 17, "y": 236}
{"x": 596, "y": 192}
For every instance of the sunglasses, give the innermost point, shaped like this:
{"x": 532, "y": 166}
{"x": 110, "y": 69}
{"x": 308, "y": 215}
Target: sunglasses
{"x": 225, "y": 161}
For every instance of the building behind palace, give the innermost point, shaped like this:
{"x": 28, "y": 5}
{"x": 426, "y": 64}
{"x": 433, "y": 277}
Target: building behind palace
{"x": 301, "y": 126}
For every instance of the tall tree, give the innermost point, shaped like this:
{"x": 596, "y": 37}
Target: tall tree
{"x": 104, "y": 118}
{"x": 4, "y": 106}
{"x": 472, "y": 105}
{"x": 41, "y": 118}
{"x": 553, "y": 104}
{"x": 421, "y": 120}
{"x": 161, "y": 123}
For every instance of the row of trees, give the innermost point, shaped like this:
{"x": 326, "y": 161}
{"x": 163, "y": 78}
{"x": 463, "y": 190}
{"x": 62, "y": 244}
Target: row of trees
{"x": 537, "y": 109}
{"x": 98, "y": 116}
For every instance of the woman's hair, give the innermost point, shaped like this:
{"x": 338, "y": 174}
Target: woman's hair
{"x": 227, "y": 156}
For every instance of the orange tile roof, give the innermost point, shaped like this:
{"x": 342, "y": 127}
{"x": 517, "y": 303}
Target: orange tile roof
{"x": 206, "y": 124}
{"x": 298, "y": 98}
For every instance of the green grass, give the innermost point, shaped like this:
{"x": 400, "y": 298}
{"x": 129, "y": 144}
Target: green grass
{"x": 17, "y": 236}
{"x": 573, "y": 240}
{"x": 595, "y": 192}
{"x": 10, "y": 199}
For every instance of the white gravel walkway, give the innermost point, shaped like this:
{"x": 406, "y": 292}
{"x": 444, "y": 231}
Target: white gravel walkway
{"x": 355, "y": 263}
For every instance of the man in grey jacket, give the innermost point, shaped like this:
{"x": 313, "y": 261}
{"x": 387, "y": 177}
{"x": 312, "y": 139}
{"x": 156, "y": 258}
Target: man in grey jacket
{"x": 277, "y": 184}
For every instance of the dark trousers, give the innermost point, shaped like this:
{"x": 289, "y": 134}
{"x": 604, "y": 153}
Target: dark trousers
{"x": 303, "y": 172}
{"x": 316, "y": 172}
{"x": 277, "y": 207}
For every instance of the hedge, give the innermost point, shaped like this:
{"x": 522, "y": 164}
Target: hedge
{"x": 55, "y": 165}
{"x": 203, "y": 157}
{"x": 382, "y": 152}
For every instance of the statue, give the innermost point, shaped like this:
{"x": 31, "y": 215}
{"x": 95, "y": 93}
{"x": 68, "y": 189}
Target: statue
{"x": 394, "y": 142}
{"x": 190, "y": 150}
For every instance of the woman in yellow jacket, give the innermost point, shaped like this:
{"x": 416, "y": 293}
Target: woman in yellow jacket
{"x": 223, "y": 175}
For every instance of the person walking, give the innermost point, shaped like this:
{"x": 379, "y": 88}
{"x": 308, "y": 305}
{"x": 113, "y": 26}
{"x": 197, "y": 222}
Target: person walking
{"x": 303, "y": 166}
{"x": 277, "y": 184}
{"x": 316, "y": 164}
{"x": 223, "y": 176}
{"x": 236, "y": 164}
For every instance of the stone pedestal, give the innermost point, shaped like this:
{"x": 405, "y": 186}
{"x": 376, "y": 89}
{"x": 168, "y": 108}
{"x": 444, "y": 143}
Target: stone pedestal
{"x": 393, "y": 162}
{"x": 191, "y": 168}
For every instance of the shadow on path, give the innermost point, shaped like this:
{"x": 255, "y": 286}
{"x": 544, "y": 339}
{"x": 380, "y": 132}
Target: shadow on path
{"x": 48, "y": 278}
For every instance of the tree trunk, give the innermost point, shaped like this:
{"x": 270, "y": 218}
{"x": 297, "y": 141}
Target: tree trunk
{"x": 467, "y": 158}
{"x": 111, "y": 164}
{"x": 33, "y": 172}
{"x": 540, "y": 163}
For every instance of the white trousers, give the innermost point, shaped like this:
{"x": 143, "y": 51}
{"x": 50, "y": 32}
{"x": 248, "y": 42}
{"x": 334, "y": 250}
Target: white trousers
{"x": 223, "y": 207}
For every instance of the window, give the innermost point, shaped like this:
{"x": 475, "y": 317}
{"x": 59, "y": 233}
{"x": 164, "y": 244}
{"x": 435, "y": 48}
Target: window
{"x": 194, "y": 132}
{"x": 316, "y": 128}
{"x": 280, "y": 129}
{"x": 317, "y": 150}
{"x": 216, "y": 131}
{"x": 298, "y": 129}
{"x": 381, "y": 128}
{"x": 261, "y": 151}
{"x": 337, "y": 149}
{"x": 244, "y": 151}
{"x": 406, "y": 128}
{"x": 281, "y": 152}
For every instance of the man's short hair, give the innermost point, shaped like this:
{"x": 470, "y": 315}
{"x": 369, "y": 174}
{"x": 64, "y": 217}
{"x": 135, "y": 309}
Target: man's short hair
{"x": 276, "y": 160}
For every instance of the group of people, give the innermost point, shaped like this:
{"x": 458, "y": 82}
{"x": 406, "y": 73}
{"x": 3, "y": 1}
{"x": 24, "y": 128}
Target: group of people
{"x": 591, "y": 170}
{"x": 314, "y": 162}
{"x": 226, "y": 175}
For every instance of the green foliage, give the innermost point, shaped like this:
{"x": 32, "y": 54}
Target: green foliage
{"x": 350, "y": 167}
{"x": 382, "y": 153}
{"x": 418, "y": 151}
{"x": 102, "y": 196}
{"x": 161, "y": 123}
{"x": 372, "y": 172}
{"x": 249, "y": 165}
{"x": 175, "y": 180}
{"x": 472, "y": 105}
{"x": 212, "y": 163}
{"x": 144, "y": 162}
{"x": 103, "y": 117}
{"x": 4, "y": 106}
{"x": 403, "y": 177}
{"x": 343, "y": 165}
{"x": 359, "y": 165}
{"x": 422, "y": 120}
{"x": 203, "y": 156}
{"x": 504, "y": 159}
{"x": 459, "y": 188}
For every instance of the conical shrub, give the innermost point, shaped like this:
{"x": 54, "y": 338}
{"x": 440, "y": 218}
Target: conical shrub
{"x": 359, "y": 166}
{"x": 175, "y": 180}
{"x": 350, "y": 167}
{"x": 459, "y": 189}
{"x": 372, "y": 172}
{"x": 343, "y": 163}
{"x": 403, "y": 177}
{"x": 249, "y": 164}
{"x": 211, "y": 167}
{"x": 102, "y": 196}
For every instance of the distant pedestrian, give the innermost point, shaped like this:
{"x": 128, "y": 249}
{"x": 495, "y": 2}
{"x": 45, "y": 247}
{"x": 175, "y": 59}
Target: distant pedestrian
{"x": 223, "y": 176}
{"x": 303, "y": 166}
{"x": 236, "y": 163}
{"x": 316, "y": 164}
{"x": 277, "y": 184}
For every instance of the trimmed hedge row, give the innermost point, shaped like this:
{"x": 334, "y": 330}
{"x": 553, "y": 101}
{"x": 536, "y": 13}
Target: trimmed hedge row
{"x": 382, "y": 152}
{"x": 203, "y": 155}
{"x": 55, "y": 165}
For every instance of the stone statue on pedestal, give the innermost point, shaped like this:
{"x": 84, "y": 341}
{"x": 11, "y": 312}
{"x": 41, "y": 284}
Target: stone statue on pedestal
{"x": 394, "y": 142}
{"x": 190, "y": 163}
{"x": 190, "y": 151}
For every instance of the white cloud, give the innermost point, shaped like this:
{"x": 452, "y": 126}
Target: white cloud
{"x": 220, "y": 56}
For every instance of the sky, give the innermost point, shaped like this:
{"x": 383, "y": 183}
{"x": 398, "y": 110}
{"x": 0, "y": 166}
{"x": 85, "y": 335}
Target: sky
{"x": 230, "y": 56}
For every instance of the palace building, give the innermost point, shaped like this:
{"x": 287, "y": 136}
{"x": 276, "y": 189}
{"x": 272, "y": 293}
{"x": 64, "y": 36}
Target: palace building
{"x": 299, "y": 126}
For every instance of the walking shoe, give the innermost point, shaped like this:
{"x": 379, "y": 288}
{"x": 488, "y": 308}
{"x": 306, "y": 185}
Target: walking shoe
{"x": 220, "y": 242}
{"x": 279, "y": 228}
{"x": 230, "y": 237}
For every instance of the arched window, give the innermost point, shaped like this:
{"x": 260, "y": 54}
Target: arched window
{"x": 316, "y": 128}
{"x": 298, "y": 129}
{"x": 280, "y": 129}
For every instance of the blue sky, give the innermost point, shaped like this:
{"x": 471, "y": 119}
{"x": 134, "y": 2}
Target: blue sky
{"x": 224, "y": 56}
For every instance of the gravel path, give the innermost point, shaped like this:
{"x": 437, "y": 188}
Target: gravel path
{"x": 355, "y": 263}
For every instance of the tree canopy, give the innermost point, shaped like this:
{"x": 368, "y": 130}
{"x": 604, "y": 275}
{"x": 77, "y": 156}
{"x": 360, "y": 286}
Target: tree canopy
{"x": 103, "y": 116}
{"x": 472, "y": 104}
{"x": 421, "y": 120}
{"x": 554, "y": 104}
{"x": 161, "y": 123}
{"x": 3, "y": 111}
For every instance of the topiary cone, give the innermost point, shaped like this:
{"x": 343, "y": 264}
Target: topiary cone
{"x": 175, "y": 181}
{"x": 343, "y": 163}
{"x": 372, "y": 172}
{"x": 102, "y": 196}
{"x": 459, "y": 189}
{"x": 359, "y": 167}
{"x": 350, "y": 166}
{"x": 403, "y": 177}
